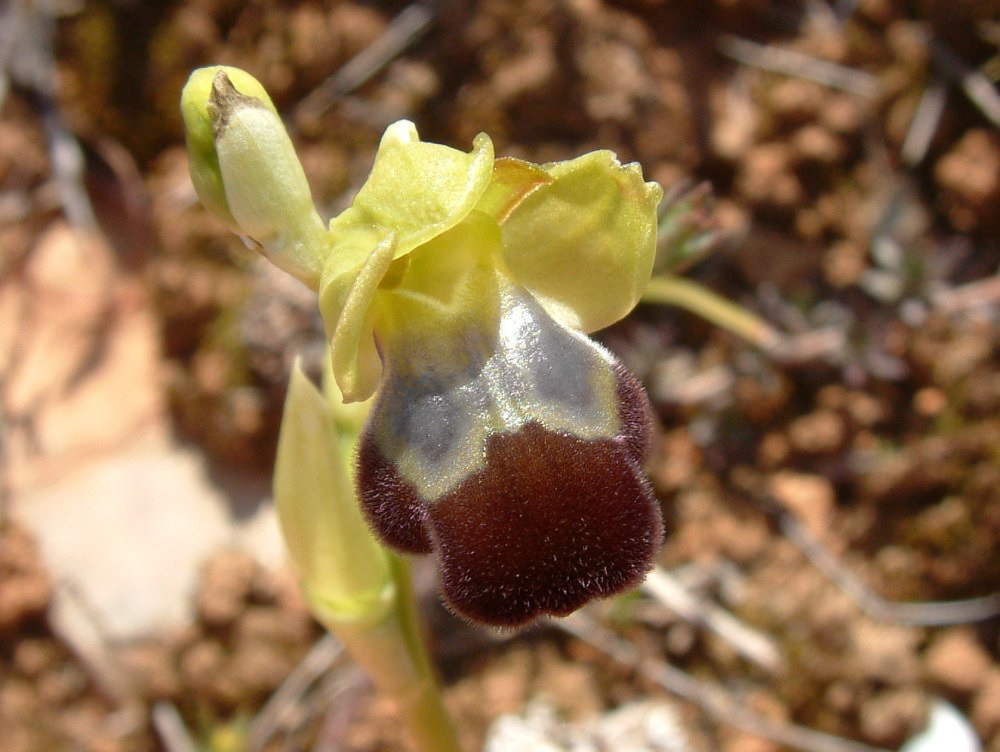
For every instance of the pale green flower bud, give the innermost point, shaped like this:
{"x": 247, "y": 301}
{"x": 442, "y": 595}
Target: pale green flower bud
{"x": 246, "y": 172}
{"x": 200, "y": 132}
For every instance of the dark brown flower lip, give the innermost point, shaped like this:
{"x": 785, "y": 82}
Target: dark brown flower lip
{"x": 396, "y": 509}
{"x": 392, "y": 506}
{"x": 510, "y": 448}
{"x": 551, "y": 522}
{"x": 548, "y": 523}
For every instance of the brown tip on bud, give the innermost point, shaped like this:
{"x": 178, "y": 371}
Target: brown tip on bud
{"x": 224, "y": 100}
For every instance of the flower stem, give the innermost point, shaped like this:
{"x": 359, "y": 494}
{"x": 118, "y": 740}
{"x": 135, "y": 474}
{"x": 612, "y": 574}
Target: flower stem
{"x": 671, "y": 290}
{"x": 393, "y": 653}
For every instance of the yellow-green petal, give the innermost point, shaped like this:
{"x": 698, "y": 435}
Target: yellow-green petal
{"x": 347, "y": 292}
{"x": 345, "y": 572}
{"x": 417, "y": 189}
{"x": 584, "y": 243}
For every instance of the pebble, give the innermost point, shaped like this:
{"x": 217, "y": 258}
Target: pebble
{"x": 957, "y": 662}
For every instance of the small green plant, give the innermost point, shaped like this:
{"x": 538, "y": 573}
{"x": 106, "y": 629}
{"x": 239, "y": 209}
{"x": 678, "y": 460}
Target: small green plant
{"x": 457, "y": 291}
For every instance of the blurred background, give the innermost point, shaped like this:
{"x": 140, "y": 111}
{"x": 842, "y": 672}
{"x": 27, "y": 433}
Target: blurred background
{"x": 853, "y": 155}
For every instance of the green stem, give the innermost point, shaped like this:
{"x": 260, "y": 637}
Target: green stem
{"x": 393, "y": 652}
{"x": 670, "y": 290}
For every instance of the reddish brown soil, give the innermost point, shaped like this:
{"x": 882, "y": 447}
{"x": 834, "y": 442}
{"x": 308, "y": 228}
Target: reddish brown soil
{"x": 884, "y": 444}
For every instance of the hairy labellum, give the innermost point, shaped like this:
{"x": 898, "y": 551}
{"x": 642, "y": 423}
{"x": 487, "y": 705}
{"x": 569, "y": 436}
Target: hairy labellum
{"x": 510, "y": 448}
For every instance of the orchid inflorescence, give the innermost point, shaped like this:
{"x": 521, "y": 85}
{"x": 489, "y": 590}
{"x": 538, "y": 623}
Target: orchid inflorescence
{"x": 458, "y": 289}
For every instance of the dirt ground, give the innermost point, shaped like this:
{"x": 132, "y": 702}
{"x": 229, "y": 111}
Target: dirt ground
{"x": 856, "y": 192}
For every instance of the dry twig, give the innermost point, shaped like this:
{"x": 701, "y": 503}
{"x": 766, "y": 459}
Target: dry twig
{"x": 924, "y": 124}
{"x": 77, "y": 626}
{"x": 925, "y": 613}
{"x": 977, "y": 87}
{"x": 983, "y": 293}
{"x": 287, "y": 699}
{"x": 27, "y": 59}
{"x": 337, "y": 697}
{"x": 748, "y": 642}
{"x": 710, "y": 698}
{"x": 171, "y": 729}
{"x": 401, "y": 32}
{"x": 794, "y": 63}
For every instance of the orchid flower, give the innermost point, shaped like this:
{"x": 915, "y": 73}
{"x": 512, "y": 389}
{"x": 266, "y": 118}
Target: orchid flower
{"x": 458, "y": 289}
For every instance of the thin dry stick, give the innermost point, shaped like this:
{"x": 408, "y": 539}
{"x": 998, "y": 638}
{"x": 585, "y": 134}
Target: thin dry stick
{"x": 27, "y": 59}
{"x": 810, "y": 345}
{"x": 924, "y": 124}
{"x": 709, "y": 698}
{"x": 286, "y": 700}
{"x": 983, "y": 293}
{"x": 748, "y": 642}
{"x": 171, "y": 729}
{"x": 796, "y": 64}
{"x": 977, "y": 87}
{"x": 336, "y": 701}
{"x": 401, "y": 32}
{"x": 78, "y": 626}
{"x": 925, "y": 613}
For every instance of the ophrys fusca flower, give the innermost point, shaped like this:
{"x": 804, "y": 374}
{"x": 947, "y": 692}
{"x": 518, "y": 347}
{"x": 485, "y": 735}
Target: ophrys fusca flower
{"x": 458, "y": 288}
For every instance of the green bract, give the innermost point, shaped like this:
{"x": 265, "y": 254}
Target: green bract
{"x": 321, "y": 523}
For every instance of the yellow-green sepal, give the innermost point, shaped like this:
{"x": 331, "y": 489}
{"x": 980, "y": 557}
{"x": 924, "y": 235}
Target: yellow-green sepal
{"x": 346, "y": 574}
{"x": 418, "y": 189}
{"x": 583, "y": 244}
